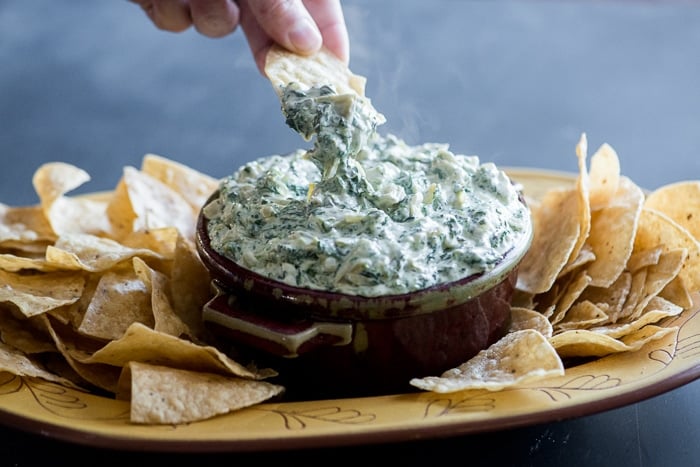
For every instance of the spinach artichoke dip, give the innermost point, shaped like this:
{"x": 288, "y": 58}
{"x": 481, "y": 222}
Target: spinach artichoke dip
{"x": 361, "y": 213}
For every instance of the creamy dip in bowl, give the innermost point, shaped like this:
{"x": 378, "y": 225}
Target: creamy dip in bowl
{"x": 364, "y": 261}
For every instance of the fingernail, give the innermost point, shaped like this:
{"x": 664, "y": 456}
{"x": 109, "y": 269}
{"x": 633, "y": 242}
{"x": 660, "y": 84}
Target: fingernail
{"x": 305, "y": 37}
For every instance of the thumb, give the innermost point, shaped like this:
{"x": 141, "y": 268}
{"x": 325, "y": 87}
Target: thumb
{"x": 288, "y": 23}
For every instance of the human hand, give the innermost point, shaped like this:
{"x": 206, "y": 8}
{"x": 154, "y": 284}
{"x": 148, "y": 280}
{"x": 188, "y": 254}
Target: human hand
{"x": 302, "y": 26}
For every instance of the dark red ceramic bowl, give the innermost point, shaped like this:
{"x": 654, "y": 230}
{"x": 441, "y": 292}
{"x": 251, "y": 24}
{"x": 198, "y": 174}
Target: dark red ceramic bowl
{"x": 327, "y": 344}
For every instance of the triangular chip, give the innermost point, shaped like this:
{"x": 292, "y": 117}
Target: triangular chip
{"x": 24, "y": 224}
{"x": 582, "y": 315}
{"x": 162, "y": 395}
{"x": 516, "y": 358}
{"x": 612, "y": 233}
{"x": 681, "y": 202}
{"x": 526, "y": 318}
{"x": 65, "y": 214}
{"x": 583, "y": 213}
{"x": 17, "y": 363}
{"x": 143, "y": 344}
{"x": 35, "y": 294}
{"x": 657, "y": 309}
{"x": 658, "y": 229}
{"x": 555, "y": 237}
{"x": 90, "y": 253}
{"x": 166, "y": 321}
{"x": 588, "y": 343}
{"x": 604, "y": 175}
{"x": 283, "y": 67}
{"x": 191, "y": 184}
{"x": 121, "y": 298}
{"x": 142, "y": 202}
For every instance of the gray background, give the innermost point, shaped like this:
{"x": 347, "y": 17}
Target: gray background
{"x": 93, "y": 83}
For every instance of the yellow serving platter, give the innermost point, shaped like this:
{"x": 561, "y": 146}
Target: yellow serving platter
{"x": 598, "y": 385}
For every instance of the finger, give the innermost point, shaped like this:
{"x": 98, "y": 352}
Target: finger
{"x": 214, "y": 18}
{"x": 328, "y": 15}
{"x": 169, "y": 15}
{"x": 258, "y": 40}
{"x": 146, "y": 6}
{"x": 288, "y": 23}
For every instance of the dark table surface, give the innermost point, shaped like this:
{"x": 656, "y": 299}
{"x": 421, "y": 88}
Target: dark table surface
{"x": 96, "y": 85}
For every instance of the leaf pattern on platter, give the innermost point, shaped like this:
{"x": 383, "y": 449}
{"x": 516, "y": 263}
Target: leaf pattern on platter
{"x": 441, "y": 406}
{"x": 299, "y": 419}
{"x": 55, "y": 397}
{"x": 580, "y": 383}
{"x": 689, "y": 346}
{"x": 685, "y": 347}
{"x": 9, "y": 383}
{"x": 481, "y": 402}
{"x": 662, "y": 356}
{"x": 60, "y": 400}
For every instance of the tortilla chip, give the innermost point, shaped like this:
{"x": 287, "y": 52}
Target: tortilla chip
{"x": 90, "y": 253}
{"x": 574, "y": 288}
{"x": 143, "y": 344}
{"x": 680, "y": 201}
{"x": 658, "y": 276}
{"x": 191, "y": 184}
{"x": 582, "y": 315}
{"x": 23, "y": 335}
{"x": 634, "y": 295}
{"x": 526, "y": 318}
{"x": 613, "y": 298}
{"x": 556, "y": 231}
{"x": 162, "y": 242}
{"x": 161, "y": 395}
{"x": 17, "y": 363}
{"x": 142, "y": 202}
{"x": 656, "y": 310}
{"x": 588, "y": 343}
{"x": 604, "y": 176}
{"x": 71, "y": 344}
{"x": 14, "y": 263}
{"x": 612, "y": 234}
{"x": 583, "y": 191}
{"x": 676, "y": 292}
{"x": 68, "y": 215}
{"x": 658, "y": 229}
{"x": 24, "y": 225}
{"x": 517, "y": 358}
{"x": 120, "y": 299}
{"x": 642, "y": 258}
{"x": 34, "y": 294}
{"x": 585, "y": 256}
{"x": 190, "y": 285}
{"x": 166, "y": 321}
{"x": 323, "y": 68}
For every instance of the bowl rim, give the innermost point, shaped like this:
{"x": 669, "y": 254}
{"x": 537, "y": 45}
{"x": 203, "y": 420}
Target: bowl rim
{"x": 339, "y": 305}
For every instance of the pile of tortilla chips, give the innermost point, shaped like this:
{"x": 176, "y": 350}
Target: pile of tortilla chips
{"x": 104, "y": 293}
{"x": 607, "y": 265}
